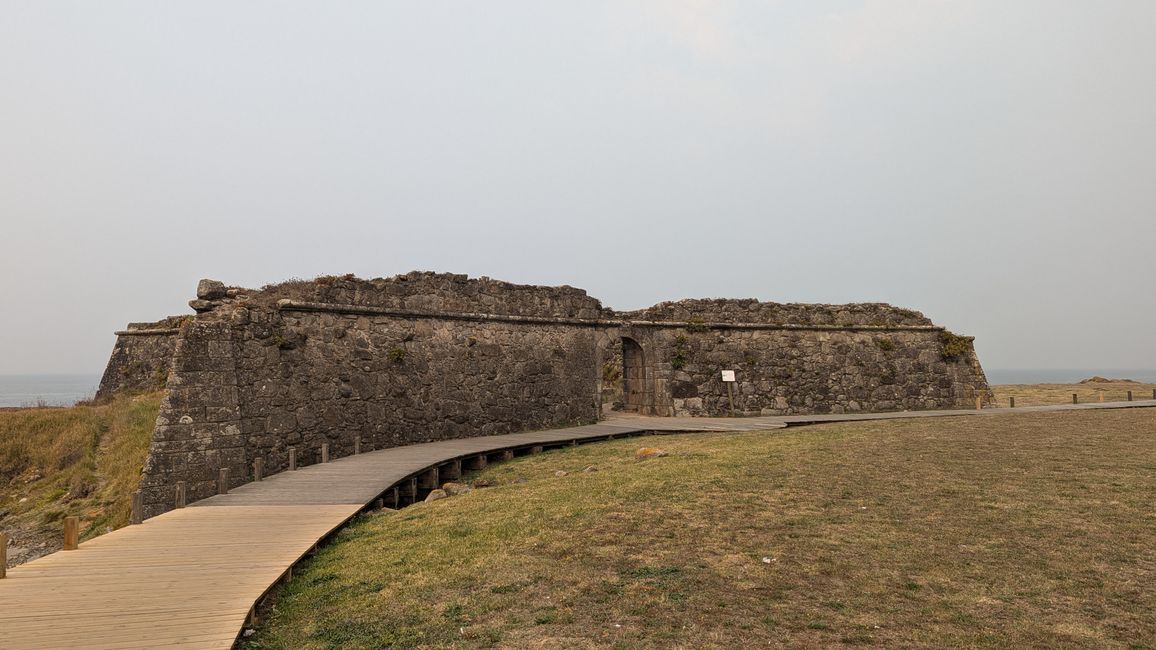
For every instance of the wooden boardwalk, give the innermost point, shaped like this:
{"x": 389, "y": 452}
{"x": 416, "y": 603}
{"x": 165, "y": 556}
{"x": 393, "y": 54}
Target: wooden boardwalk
{"x": 189, "y": 578}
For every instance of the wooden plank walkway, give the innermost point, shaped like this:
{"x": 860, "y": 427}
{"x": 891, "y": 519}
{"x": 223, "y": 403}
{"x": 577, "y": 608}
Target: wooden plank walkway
{"x": 190, "y": 577}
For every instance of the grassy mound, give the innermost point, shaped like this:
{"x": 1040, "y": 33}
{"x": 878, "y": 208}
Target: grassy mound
{"x": 1032, "y": 529}
{"x": 82, "y": 461}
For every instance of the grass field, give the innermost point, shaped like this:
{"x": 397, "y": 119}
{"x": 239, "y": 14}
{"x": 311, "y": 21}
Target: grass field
{"x": 84, "y": 461}
{"x": 1044, "y": 394}
{"x": 1027, "y": 530}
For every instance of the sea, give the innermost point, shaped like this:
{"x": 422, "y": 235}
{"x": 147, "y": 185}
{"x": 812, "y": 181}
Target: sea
{"x": 66, "y": 390}
{"x": 47, "y": 390}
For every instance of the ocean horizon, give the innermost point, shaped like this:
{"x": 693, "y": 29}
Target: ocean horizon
{"x": 49, "y": 390}
{"x": 68, "y": 389}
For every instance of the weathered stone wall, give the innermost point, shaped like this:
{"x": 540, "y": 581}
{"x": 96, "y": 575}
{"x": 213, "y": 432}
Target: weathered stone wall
{"x": 434, "y": 356}
{"x": 797, "y": 371}
{"x": 253, "y": 377}
{"x": 141, "y": 357}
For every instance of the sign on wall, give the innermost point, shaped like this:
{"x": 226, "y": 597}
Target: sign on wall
{"x": 728, "y": 375}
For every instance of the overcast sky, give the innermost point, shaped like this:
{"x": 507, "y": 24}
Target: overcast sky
{"x": 988, "y": 163}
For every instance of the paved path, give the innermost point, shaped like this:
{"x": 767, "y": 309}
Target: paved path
{"x": 190, "y": 577}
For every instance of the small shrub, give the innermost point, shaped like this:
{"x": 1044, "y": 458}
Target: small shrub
{"x": 681, "y": 349}
{"x": 885, "y": 344}
{"x": 955, "y": 347}
{"x": 611, "y": 373}
{"x": 696, "y": 326}
{"x": 396, "y": 354}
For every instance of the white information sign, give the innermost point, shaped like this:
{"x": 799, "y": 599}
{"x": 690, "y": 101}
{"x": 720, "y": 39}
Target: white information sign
{"x": 728, "y": 375}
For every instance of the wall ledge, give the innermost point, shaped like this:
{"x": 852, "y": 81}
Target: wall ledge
{"x": 151, "y": 332}
{"x": 365, "y": 310}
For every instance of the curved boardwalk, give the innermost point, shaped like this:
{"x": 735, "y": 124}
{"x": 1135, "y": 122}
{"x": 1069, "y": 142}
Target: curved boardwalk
{"x": 189, "y": 578}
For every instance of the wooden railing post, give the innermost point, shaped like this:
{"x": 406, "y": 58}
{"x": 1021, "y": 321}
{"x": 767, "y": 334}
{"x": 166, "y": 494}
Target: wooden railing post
{"x": 71, "y": 533}
{"x": 536, "y": 449}
{"x": 137, "y": 515}
{"x": 1154, "y": 393}
{"x": 1012, "y": 400}
{"x": 180, "y": 494}
{"x": 292, "y": 459}
{"x": 258, "y": 468}
{"x": 223, "y": 481}
{"x": 325, "y": 452}
{"x": 3, "y": 555}
{"x": 1129, "y": 396}
{"x": 1075, "y": 398}
{"x": 357, "y": 445}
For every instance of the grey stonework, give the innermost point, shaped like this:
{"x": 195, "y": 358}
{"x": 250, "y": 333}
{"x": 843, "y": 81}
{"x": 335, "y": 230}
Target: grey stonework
{"x": 140, "y": 358}
{"x": 430, "y": 356}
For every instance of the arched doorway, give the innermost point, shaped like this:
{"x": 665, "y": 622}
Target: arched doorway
{"x": 633, "y": 376}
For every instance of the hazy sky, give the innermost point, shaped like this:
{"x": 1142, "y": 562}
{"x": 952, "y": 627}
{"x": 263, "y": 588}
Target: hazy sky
{"x": 988, "y": 163}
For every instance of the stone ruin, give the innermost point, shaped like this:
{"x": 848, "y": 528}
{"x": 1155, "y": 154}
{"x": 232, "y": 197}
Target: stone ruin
{"x": 428, "y": 356}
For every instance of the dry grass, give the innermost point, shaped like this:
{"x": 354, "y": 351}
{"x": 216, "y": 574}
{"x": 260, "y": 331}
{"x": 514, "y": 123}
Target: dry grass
{"x": 84, "y": 461}
{"x": 1044, "y": 394}
{"x": 1028, "y": 530}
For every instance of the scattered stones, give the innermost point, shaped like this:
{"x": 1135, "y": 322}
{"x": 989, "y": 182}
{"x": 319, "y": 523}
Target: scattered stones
{"x": 436, "y": 495}
{"x": 483, "y": 483}
{"x": 211, "y": 290}
{"x": 453, "y": 489}
{"x": 28, "y": 476}
{"x": 646, "y": 453}
{"x": 560, "y": 473}
{"x": 202, "y": 306}
{"x": 589, "y": 468}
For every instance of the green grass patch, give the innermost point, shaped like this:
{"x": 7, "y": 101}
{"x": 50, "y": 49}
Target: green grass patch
{"x": 82, "y": 461}
{"x": 1030, "y": 530}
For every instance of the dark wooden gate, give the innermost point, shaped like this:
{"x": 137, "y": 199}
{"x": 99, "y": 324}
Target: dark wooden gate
{"x": 633, "y": 376}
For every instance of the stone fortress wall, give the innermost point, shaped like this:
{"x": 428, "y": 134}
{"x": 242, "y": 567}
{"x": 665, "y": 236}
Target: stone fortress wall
{"x": 427, "y": 356}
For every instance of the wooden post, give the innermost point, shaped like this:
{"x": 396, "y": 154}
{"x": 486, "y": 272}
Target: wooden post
{"x": 3, "y": 555}
{"x": 731, "y": 396}
{"x": 395, "y": 496}
{"x": 452, "y": 470}
{"x": 71, "y": 533}
{"x": 1012, "y": 400}
{"x": 536, "y": 449}
{"x": 429, "y": 479}
{"x": 223, "y": 481}
{"x": 137, "y": 515}
{"x": 978, "y": 403}
{"x": 180, "y": 494}
{"x": 378, "y": 504}
{"x": 478, "y": 462}
{"x": 325, "y": 452}
{"x": 357, "y": 445}
{"x": 258, "y": 468}
{"x": 1129, "y": 396}
{"x": 1154, "y": 393}
{"x": 292, "y": 459}
{"x": 508, "y": 454}
{"x": 1075, "y": 398}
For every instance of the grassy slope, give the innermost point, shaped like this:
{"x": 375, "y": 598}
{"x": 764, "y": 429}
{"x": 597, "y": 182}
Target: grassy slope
{"x": 1026, "y": 530}
{"x": 88, "y": 460}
